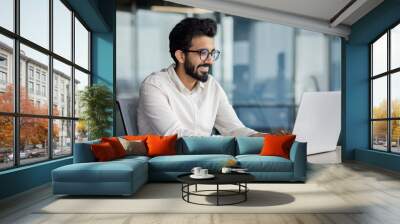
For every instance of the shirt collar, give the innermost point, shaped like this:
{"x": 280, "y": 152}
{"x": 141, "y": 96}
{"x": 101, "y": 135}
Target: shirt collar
{"x": 179, "y": 84}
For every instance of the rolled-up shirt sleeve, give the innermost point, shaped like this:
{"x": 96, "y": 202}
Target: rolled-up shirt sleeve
{"x": 158, "y": 114}
{"x": 227, "y": 122}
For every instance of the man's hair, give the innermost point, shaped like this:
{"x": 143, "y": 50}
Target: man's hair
{"x": 181, "y": 35}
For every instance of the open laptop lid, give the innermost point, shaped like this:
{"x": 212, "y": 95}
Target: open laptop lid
{"x": 318, "y": 121}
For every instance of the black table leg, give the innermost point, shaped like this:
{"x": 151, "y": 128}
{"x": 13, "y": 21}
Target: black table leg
{"x": 217, "y": 194}
{"x": 245, "y": 193}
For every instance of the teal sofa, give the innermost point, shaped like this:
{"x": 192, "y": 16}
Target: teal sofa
{"x": 125, "y": 176}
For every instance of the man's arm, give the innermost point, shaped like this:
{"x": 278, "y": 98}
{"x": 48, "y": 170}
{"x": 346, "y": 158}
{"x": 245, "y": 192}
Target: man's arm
{"x": 158, "y": 113}
{"x": 227, "y": 122}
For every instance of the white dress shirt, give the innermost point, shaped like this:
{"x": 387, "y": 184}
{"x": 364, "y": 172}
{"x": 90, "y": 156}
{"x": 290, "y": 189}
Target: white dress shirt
{"x": 167, "y": 107}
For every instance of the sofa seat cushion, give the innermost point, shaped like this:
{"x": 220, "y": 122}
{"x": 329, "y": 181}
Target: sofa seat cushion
{"x": 257, "y": 163}
{"x": 185, "y": 163}
{"x": 112, "y": 171}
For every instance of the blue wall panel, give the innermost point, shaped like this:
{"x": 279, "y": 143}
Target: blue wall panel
{"x": 24, "y": 178}
{"x": 356, "y": 119}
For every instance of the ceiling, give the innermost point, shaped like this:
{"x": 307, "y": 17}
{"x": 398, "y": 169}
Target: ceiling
{"x": 333, "y": 17}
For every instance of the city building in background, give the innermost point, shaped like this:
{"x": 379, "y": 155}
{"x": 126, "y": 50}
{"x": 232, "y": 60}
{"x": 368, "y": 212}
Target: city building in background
{"x": 40, "y": 83}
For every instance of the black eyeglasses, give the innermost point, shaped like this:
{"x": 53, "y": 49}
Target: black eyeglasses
{"x": 204, "y": 54}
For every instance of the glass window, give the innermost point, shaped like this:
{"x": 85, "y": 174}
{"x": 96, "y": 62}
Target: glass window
{"x": 395, "y": 136}
{"x": 81, "y": 81}
{"x": 62, "y": 29}
{"x": 81, "y": 131}
{"x": 33, "y": 140}
{"x": 30, "y": 72}
{"x": 6, "y": 142}
{"x": 7, "y": 14}
{"x": 380, "y": 117}
{"x": 3, "y": 61}
{"x": 395, "y": 95}
{"x": 40, "y": 62}
{"x": 395, "y": 47}
{"x": 62, "y": 72}
{"x": 379, "y": 98}
{"x": 81, "y": 45}
{"x": 62, "y": 138}
{"x": 379, "y": 135}
{"x": 379, "y": 55}
{"x": 30, "y": 87}
{"x": 6, "y": 73}
{"x": 35, "y": 21}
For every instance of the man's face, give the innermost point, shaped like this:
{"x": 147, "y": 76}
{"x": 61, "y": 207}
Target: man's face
{"x": 194, "y": 66}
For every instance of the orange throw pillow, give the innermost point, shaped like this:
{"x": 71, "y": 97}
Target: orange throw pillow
{"x": 116, "y": 145}
{"x": 135, "y": 137}
{"x": 277, "y": 145}
{"x": 103, "y": 151}
{"x": 161, "y": 145}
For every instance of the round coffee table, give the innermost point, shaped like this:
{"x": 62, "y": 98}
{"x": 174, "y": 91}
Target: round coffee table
{"x": 238, "y": 179}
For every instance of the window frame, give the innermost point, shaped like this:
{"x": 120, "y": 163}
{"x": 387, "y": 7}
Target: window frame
{"x": 388, "y": 74}
{"x": 16, "y": 114}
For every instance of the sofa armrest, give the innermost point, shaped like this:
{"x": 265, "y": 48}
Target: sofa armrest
{"x": 298, "y": 155}
{"x": 83, "y": 152}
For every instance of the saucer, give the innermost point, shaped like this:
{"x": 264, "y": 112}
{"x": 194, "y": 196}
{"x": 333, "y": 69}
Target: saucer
{"x": 208, "y": 176}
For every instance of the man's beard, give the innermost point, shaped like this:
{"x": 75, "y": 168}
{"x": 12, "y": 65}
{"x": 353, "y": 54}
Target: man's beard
{"x": 191, "y": 71}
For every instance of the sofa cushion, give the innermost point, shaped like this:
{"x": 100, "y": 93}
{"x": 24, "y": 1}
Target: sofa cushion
{"x": 83, "y": 153}
{"x": 257, "y": 163}
{"x": 206, "y": 145}
{"x": 277, "y": 145}
{"x": 161, "y": 145}
{"x": 103, "y": 152}
{"x": 249, "y": 145}
{"x": 116, "y": 145}
{"x": 111, "y": 171}
{"x": 185, "y": 163}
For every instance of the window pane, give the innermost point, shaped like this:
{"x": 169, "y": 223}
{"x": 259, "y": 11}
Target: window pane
{"x": 81, "y": 45}
{"x": 379, "y": 98}
{"x": 62, "y": 29}
{"x": 395, "y": 94}
{"x": 379, "y": 135}
{"x": 81, "y": 131}
{"x": 81, "y": 81}
{"x": 266, "y": 118}
{"x": 62, "y": 133}
{"x": 7, "y": 14}
{"x": 35, "y": 21}
{"x": 395, "y": 47}
{"x": 395, "y": 136}
{"x": 6, "y": 142}
{"x": 6, "y": 74}
{"x": 34, "y": 72}
{"x": 379, "y": 55}
{"x": 62, "y": 89}
{"x": 33, "y": 139}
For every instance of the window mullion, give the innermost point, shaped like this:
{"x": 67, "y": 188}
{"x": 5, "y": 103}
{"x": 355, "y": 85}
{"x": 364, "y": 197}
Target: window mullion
{"x": 16, "y": 84}
{"x": 389, "y": 106}
{"x": 73, "y": 83}
{"x": 50, "y": 81}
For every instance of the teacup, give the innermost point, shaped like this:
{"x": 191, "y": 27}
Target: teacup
{"x": 226, "y": 170}
{"x": 196, "y": 170}
{"x": 203, "y": 172}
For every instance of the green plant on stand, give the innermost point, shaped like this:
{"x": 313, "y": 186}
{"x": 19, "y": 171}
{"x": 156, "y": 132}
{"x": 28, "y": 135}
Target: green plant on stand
{"x": 96, "y": 102}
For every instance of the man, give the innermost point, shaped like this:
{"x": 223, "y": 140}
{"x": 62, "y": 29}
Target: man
{"x": 184, "y": 99}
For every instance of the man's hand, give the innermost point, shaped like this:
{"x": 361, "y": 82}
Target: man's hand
{"x": 258, "y": 134}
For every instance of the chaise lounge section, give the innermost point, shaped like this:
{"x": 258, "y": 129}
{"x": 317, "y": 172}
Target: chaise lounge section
{"x": 125, "y": 176}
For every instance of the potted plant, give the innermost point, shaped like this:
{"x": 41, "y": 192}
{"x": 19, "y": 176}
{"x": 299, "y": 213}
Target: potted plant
{"x": 96, "y": 102}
